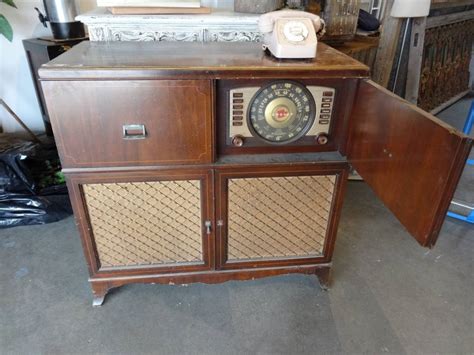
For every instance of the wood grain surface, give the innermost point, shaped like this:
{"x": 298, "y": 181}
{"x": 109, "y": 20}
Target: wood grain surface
{"x": 412, "y": 160}
{"x": 88, "y": 119}
{"x": 96, "y": 60}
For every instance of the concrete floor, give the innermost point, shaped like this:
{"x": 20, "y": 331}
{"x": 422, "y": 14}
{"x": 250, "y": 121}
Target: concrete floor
{"x": 389, "y": 295}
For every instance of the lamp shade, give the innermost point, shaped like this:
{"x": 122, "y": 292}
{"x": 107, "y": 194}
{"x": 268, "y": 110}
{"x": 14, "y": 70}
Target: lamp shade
{"x": 410, "y": 8}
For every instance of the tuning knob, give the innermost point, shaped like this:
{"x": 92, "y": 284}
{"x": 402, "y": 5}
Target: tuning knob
{"x": 322, "y": 139}
{"x": 238, "y": 141}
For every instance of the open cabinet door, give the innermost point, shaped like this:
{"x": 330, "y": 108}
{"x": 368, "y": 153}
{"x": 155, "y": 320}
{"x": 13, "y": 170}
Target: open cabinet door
{"x": 412, "y": 160}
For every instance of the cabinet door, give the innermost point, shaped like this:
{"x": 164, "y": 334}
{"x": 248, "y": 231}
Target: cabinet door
{"x": 278, "y": 216}
{"x": 412, "y": 160}
{"x": 142, "y": 223}
{"x": 131, "y": 122}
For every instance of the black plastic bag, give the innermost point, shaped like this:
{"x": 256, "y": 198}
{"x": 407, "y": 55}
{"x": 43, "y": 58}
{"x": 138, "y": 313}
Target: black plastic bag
{"x": 31, "y": 188}
{"x": 367, "y": 22}
{"x": 24, "y": 210}
{"x": 14, "y": 175}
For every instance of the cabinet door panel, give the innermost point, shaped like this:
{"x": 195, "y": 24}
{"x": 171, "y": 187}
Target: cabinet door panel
{"x": 126, "y": 122}
{"x": 135, "y": 221}
{"x": 277, "y": 216}
{"x": 412, "y": 160}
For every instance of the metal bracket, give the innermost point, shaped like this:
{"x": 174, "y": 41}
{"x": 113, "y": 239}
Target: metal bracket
{"x": 208, "y": 225}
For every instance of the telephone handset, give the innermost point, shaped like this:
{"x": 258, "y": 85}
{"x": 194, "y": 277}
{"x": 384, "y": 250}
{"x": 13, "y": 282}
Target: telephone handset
{"x": 291, "y": 33}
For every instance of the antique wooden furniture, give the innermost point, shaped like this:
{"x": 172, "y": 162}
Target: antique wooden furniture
{"x": 361, "y": 48}
{"x": 440, "y": 54}
{"x": 221, "y": 25}
{"x": 191, "y": 162}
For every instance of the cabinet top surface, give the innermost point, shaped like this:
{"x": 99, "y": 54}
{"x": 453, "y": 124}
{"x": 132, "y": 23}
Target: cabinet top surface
{"x": 181, "y": 59}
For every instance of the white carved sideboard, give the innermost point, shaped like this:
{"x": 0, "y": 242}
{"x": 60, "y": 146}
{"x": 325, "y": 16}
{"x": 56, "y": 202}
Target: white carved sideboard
{"x": 222, "y": 25}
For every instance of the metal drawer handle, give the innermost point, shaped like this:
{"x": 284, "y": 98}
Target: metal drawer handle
{"x": 134, "y": 131}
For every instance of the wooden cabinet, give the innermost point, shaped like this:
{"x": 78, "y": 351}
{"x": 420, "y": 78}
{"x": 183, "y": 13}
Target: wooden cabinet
{"x": 189, "y": 220}
{"x": 169, "y": 186}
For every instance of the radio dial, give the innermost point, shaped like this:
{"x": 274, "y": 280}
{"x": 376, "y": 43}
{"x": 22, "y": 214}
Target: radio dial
{"x": 281, "y": 112}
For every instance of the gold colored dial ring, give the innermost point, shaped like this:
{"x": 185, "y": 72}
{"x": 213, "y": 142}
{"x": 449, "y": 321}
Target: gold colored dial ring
{"x": 274, "y": 105}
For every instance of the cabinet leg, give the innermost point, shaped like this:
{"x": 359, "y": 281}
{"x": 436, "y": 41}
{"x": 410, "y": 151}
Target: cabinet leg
{"x": 324, "y": 276}
{"x": 99, "y": 290}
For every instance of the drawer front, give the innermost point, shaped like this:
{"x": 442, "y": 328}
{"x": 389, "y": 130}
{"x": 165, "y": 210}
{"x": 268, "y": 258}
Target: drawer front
{"x": 126, "y": 123}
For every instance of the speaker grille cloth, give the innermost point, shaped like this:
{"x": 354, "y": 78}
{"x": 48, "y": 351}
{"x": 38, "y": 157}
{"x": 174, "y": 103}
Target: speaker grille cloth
{"x": 146, "y": 222}
{"x": 278, "y": 217}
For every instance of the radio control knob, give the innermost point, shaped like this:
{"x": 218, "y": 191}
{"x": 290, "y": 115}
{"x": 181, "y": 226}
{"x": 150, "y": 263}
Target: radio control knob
{"x": 238, "y": 141}
{"x": 322, "y": 139}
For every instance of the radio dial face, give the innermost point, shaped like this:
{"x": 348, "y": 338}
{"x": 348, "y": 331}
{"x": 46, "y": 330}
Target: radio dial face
{"x": 281, "y": 112}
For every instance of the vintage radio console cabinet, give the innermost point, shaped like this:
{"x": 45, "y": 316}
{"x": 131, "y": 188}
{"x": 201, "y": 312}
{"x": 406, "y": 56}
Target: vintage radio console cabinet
{"x": 190, "y": 162}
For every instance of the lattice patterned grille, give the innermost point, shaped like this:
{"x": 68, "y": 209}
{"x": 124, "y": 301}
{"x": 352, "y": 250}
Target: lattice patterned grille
{"x": 278, "y": 217}
{"x": 146, "y": 222}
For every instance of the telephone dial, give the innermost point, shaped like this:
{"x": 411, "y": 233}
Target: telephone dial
{"x": 291, "y": 33}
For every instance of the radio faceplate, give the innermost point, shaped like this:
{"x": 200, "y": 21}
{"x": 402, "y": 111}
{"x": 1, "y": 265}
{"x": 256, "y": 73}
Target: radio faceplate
{"x": 240, "y": 116}
{"x": 279, "y": 122}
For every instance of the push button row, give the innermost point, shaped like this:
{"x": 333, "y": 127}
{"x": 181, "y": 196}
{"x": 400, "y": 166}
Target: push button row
{"x": 237, "y": 109}
{"x": 326, "y": 107}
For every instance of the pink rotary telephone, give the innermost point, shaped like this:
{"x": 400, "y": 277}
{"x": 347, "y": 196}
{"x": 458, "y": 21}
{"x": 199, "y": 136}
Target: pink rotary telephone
{"x": 291, "y": 33}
